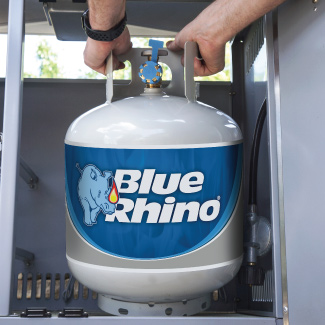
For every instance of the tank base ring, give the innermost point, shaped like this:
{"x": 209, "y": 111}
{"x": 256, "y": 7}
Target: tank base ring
{"x": 127, "y": 308}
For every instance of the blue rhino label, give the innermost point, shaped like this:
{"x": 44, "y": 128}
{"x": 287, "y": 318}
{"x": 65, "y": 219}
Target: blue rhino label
{"x": 151, "y": 203}
{"x": 94, "y": 193}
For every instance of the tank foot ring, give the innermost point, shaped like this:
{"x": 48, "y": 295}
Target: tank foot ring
{"x": 127, "y": 308}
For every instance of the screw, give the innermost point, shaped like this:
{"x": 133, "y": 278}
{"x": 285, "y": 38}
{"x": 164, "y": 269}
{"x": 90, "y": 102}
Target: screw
{"x": 285, "y": 309}
{"x": 315, "y": 1}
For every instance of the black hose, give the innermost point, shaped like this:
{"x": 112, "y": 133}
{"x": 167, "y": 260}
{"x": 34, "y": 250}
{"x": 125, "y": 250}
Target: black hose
{"x": 254, "y": 155}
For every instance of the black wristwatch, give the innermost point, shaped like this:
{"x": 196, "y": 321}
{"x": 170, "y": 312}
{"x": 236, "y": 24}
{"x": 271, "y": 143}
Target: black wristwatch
{"x": 99, "y": 35}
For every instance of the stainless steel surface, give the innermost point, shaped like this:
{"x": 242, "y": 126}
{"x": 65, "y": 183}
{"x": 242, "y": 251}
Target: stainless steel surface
{"x": 301, "y": 43}
{"x": 278, "y": 136}
{"x": 10, "y": 147}
{"x": 272, "y": 129}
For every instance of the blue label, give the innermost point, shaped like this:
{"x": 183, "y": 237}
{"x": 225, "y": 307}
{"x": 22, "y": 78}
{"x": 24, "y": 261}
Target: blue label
{"x": 151, "y": 203}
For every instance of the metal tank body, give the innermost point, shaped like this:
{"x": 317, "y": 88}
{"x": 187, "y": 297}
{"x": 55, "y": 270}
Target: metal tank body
{"x": 154, "y": 201}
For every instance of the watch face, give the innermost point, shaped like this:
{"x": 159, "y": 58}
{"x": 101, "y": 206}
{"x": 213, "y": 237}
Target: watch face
{"x": 85, "y": 20}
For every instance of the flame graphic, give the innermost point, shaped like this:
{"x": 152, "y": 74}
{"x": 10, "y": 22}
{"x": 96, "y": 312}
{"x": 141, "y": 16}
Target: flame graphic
{"x": 113, "y": 196}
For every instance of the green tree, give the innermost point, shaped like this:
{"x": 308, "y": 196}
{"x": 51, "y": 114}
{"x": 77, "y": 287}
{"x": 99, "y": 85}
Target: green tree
{"x": 92, "y": 74}
{"x": 49, "y": 67}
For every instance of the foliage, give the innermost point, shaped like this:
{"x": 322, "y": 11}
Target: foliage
{"x": 49, "y": 67}
{"x": 29, "y": 75}
{"x": 91, "y": 74}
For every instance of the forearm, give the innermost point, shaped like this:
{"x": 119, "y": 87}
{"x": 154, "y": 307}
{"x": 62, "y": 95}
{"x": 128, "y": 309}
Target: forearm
{"x": 105, "y": 14}
{"x": 223, "y": 19}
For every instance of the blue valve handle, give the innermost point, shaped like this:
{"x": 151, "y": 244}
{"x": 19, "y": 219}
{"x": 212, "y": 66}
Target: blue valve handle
{"x": 156, "y": 45}
{"x": 151, "y": 71}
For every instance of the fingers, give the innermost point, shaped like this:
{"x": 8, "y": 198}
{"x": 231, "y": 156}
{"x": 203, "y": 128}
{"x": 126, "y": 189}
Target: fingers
{"x": 173, "y": 46}
{"x": 96, "y": 52}
{"x": 180, "y": 39}
{"x": 212, "y": 58}
{"x": 212, "y": 53}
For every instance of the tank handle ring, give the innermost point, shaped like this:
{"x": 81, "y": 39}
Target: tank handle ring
{"x": 191, "y": 90}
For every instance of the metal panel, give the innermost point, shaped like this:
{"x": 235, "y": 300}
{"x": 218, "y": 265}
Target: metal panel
{"x": 65, "y": 16}
{"x": 301, "y": 27}
{"x": 258, "y": 300}
{"x": 222, "y": 320}
{"x": 272, "y": 125}
{"x": 10, "y": 148}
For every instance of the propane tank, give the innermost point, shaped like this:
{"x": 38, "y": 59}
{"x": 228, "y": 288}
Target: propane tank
{"x": 153, "y": 199}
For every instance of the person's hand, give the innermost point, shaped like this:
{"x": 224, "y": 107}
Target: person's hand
{"x": 215, "y": 26}
{"x": 104, "y": 15}
{"x": 96, "y": 52}
{"x": 205, "y": 31}
{"x": 212, "y": 52}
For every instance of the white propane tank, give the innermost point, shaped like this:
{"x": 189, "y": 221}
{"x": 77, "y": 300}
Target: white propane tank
{"x": 154, "y": 201}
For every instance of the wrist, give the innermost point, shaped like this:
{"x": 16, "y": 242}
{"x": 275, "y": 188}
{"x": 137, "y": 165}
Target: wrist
{"x": 212, "y": 25}
{"x": 103, "y": 35}
{"x": 108, "y": 23}
{"x": 104, "y": 15}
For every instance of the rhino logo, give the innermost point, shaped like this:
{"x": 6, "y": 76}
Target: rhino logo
{"x": 93, "y": 192}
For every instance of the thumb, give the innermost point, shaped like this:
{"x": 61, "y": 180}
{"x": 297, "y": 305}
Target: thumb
{"x": 171, "y": 45}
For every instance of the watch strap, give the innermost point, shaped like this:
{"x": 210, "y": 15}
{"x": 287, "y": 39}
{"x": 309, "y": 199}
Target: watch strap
{"x": 99, "y": 35}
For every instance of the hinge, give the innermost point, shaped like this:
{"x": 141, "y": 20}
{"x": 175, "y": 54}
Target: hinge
{"x": 36, "y": 312}
{"x": 72, "y": 312}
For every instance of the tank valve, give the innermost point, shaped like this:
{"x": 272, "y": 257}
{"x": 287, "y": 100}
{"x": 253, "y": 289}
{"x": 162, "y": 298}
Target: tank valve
{"x": 151, "y": 72}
